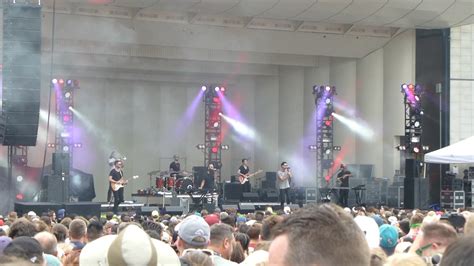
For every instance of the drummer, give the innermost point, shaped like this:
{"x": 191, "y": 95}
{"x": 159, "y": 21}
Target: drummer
{"x": 175, "y": 167}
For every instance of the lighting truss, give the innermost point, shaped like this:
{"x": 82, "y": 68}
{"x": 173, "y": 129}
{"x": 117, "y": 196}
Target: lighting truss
{"x": 324, "y": 98}
{"x": 412, "y": 95}
{"x": 213, "y": 128}
{"x": 64, "y": 138}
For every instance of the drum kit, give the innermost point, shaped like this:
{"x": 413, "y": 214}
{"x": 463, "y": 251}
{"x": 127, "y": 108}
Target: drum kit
{"x": 166, "y": 181}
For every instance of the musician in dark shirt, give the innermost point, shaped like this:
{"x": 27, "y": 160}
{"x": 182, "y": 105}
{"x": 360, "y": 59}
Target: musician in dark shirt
{"x": 207, "y": 182}
{"x": 243, "y": 173}
{"x": 175, "y": 166}
{"x": 115, "y": 178}
{"x": 343, "y": 179}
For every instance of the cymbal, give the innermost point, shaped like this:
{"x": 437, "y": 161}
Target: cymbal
{"x": 154, "y": 172}
{"x": 164, "y": 173}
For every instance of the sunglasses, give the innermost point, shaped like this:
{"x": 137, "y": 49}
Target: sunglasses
{"x": 419, "y": 251}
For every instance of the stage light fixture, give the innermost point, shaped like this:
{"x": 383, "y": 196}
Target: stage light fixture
{"x": 216, "y": 124}
{"x": 328, "y": 100}
{"x": 67, "y": 94}
{"x": 416, "y": 149}
{"x": 51, "y": 145}
{"x": 69, "y": 82}
{"x": 328, "y": 88}
{"x": 415, "y": 139}
{"x": 216, "y": 99}
{"x": 61, "y": 81}
{"x": 54, "y": 81}
{"x": 222, "y": 89}
{"x": 203, "y": 88}
{"x": 66, "y": 118}
{"x": 401, "y": 147}
{"x": 213, "y": 138}
{"x": 65, "y": 134}
{"x": 216, "y": 88}
{"x": 224, "y": 147}
{"x": 404, "y": 87}
{"x": 77, "y": 145}
{"x": 417, "y": 98}
{"x": 416, "y": 124}
{"x": 200, "y": 146}
{"x": 312, "y": 147}
{"x": 327, "y": 123}
{"x": 336, "y": 148}
{"x": 214, "y": 149}
{"x": 328, "y": 151}
{"x": 65, "y": 148}
{"x": 425, "y": 148}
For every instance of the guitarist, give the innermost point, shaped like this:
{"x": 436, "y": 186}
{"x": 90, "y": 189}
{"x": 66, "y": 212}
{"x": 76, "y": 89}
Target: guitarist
{"x": 116, "y": 177}
{"x": 343, "y": 179}
{"x": 243, "y": 172}
{"x": 284, "y": 176}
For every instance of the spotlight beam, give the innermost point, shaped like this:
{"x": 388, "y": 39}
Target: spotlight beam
{"x": 239, "y": 127}
{"x": 358, "y": 127}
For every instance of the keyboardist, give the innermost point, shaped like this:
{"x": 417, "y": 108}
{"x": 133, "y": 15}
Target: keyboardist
{"x": 343, "y": 180}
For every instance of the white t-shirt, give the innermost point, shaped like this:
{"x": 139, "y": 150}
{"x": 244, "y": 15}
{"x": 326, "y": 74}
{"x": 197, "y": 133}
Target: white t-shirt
{"x": 285, "y": 183}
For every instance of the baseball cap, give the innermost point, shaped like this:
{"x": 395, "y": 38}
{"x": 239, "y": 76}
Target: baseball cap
{"x": 194, "y": 230}
{"x": 388, "y": 236}
{"x": 4, "y": 241}
{"x": 212, "y": 219}
{"x": 32, "y": 213}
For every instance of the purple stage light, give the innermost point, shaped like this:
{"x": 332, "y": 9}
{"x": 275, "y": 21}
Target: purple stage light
{"x": 203, "y": 88}
{"x": 54, "y": 81}
{"x": 216, "y": 88}
{"x": 69, "y": 82}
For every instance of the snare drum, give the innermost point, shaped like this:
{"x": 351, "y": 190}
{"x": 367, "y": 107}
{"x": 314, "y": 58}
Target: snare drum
{"x": 160, "y": 182}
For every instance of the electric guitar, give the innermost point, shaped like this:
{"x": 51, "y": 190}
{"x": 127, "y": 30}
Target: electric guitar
{"x": 121, "y": 183}
{"x": 244, "y": 178}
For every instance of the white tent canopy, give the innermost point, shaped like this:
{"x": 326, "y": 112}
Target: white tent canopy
{"x": 459, "y": 152}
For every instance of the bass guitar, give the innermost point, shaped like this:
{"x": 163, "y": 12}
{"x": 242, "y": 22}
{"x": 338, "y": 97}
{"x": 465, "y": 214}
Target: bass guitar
{"x": 121, "y": 183}
{"x": 245, "y": 178}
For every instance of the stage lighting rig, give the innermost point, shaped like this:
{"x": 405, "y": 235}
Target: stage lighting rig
{"x": 413, "y": 99}
{"x": 324, "y": 147}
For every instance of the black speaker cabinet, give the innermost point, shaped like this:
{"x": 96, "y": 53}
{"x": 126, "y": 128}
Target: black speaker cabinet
{"x": 174, "y": 210}
{"x": 416, "y": 193}
{"x": 61, "y": 164}
{"x": 250, "y": 197}
{"x": 38, "y": 207}
{"x": 56, "y": 188}
{"x": 232, "y": 191}
{"x": 411, "y": 168}
{"x": 246, "y": 208}
{"x": 86, "y": 209}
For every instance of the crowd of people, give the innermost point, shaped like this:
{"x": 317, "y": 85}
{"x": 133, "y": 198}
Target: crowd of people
{"x": 323, "y": 234}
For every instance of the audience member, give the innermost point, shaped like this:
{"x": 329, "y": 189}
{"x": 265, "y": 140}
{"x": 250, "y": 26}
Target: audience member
{"x": 25, "y": 247}
{"x": 94, "y": 230}
{"x": 388, "y": 238}
{"x": 319, "y": 235}
{"x": 460, "y": 252}
{"x": 433, "y": 239}
{"x": 268, "y": 224}
{"x": 77, "y": 234}
{"x": 405, "y": 259}
{"x": 22, "y": 227}
{"x": 196, "y": 258}
{"x": 4, "y": 241}
{"x": 194, "y": 233}
{"x": 222, "y": 242}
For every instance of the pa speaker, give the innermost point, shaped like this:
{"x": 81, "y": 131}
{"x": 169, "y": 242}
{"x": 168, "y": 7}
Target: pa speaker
{"x": 226, "y": 207}
{"x": 174, "y": 210}
{"x": 232, "y": 191}
{"x": 146, "y": 210}
{"x": 56, "y": 188}
{"x": 61, "y": 163}
{"x": 246, "y": 208}
{"x": 83, "y": 208}
{"x": 416, "y": 193}
{"x": 38, "y": 207}
{"x": 21, "y": 74}
{"x": 411, "y": 168}
{"x": 250, "y": 197}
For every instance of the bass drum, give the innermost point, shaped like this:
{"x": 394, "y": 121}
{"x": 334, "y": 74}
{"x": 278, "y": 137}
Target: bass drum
{"x": 184, "y": 185}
